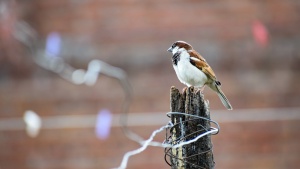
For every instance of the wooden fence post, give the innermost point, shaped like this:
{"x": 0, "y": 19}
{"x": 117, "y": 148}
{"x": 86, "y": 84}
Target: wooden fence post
{"x": 198, "y": 154}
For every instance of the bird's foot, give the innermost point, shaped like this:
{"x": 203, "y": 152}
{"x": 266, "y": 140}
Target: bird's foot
{"x": 200, "y": 89}
{"x": 184, "y": 90}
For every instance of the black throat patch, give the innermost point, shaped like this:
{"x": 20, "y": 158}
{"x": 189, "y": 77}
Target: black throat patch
{"x": 176, "y": 58}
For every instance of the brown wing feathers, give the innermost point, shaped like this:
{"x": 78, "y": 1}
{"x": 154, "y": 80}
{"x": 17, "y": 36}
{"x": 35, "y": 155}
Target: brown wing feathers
{"x": 198, "y": 61}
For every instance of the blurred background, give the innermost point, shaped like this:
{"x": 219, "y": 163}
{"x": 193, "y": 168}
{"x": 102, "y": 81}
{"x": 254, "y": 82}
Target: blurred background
{"x": 253, "y": 47}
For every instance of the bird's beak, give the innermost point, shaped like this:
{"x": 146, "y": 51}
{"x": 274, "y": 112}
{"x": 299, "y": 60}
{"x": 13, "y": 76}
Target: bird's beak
{"x": 170, "y": 49}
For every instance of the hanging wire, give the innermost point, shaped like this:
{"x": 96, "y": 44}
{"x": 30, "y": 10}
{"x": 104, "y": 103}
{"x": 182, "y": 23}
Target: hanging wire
{"x": 145, "y": 144}
{"x": 29, "y": 38}
{"x": 25, "y": 34}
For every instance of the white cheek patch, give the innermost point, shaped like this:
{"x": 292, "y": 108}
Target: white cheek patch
{"x": 175, "y": 50}
{"x": 184, "y": 54}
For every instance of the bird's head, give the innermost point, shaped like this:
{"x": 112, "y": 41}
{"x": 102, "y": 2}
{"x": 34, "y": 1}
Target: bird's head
{"x": 178, "y": 45}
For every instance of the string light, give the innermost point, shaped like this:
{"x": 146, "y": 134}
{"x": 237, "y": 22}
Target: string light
{"x": 33, "y": 123}
{"x": 103, "y": 124}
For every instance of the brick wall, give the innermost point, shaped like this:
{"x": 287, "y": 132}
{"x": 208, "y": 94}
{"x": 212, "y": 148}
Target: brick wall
{"x": 220, "y": 30}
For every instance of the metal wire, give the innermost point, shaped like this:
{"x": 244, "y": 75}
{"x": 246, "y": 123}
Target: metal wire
{"x": 24, "y": 33}
{"x": 183, "y": 139}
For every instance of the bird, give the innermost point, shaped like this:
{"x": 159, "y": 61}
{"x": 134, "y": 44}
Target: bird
{"x": 193, "y": 70}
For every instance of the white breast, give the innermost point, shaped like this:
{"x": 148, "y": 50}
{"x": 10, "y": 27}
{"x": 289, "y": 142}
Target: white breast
{"x": 188, "y": 73}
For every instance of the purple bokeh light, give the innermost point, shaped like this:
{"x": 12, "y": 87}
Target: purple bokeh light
{"x": 103, "y": 124}
{"x": 53, "y": 44}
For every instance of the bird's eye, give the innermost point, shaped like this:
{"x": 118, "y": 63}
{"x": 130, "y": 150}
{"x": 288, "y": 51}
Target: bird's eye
{"x": 173, "y": 46}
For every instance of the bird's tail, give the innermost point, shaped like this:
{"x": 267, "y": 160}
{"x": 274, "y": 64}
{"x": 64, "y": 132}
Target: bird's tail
{"x": 216, "y": 87}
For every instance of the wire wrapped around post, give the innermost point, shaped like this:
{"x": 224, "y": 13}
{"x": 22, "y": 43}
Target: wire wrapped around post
{"x": 193, "y": 121}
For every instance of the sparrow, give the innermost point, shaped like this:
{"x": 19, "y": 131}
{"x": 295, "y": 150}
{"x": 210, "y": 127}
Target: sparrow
{"x": 193, "y": 70}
